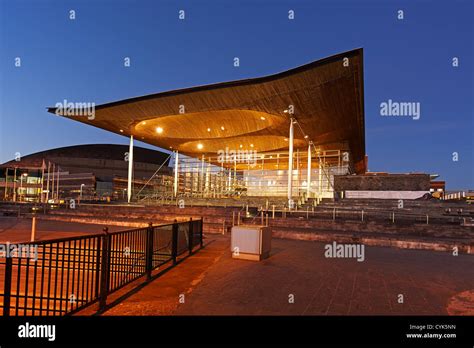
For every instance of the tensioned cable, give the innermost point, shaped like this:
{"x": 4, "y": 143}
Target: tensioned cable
{"x": 153, "y": 175}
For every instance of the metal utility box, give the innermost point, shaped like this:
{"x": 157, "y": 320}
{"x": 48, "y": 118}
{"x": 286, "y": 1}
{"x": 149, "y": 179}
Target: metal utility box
{"x": 251, "y": 242}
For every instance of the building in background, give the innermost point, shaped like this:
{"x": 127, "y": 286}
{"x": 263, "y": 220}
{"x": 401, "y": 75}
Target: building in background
{"x": 284, "y": 135}
{"x": 87, "y": 172}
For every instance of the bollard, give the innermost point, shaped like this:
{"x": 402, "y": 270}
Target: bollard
{"x": 273, "y": 211}
{"x": 262, "y": 217}
{"x": 266, "y": 217}
{"x": 33, "y": 229}
{"x": 238, "y": 218}
{"x": 362, "y": 214}
{"x": 427, "y": 219}
{"x": 223, "y": 227}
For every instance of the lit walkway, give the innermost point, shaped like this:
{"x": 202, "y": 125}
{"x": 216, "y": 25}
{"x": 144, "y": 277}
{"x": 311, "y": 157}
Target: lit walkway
{"x": 215, "y": 284}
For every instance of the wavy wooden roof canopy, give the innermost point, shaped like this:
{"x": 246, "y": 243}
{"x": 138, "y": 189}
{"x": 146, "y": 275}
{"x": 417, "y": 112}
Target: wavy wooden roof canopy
{"x": 327, "y": 95}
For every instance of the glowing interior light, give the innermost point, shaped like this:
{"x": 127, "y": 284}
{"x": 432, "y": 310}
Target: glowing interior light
{"x": 159, "y": 130}
{"x": 200, "y": 146}
{"x": 222, "y": 128}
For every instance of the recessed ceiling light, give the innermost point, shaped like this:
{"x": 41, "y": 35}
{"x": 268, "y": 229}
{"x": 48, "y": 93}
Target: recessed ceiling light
{"x": 200, "y": 146}
{"x": 241, "y": 145}
{"x": 159, "y": 130}
{"x": 209, "y": 129}
{"x": 121, "y": 131}
{"x": 144, "y": 122}
{"x": 222, "y": 127}
{"x": 306, "y": 137}
{"x": 285, "y": 111}
{"x": 286, "y": 139}
{"x": 251, "y": 145}
{"x": 262, "y": 118}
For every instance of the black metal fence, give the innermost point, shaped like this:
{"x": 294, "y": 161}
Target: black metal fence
{"x": 63, "y": 276}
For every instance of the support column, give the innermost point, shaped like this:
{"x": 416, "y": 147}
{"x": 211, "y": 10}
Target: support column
{"x": 290, "y": 163}
{"x": 320, "y": 177}
{"x": 176, "y": 170}
{"x": 43, "y": 165}
{"x": 14, "y": 185}
{"x": 208, "y": 176}
{"x": 6, "y": 183}
{"x": 130, "y": 170}
{"x": 308, "y": 186}
{"x": 53, "y": 191}
{"x": 57, "y": 185}
{"x": 201, "y": 178}
{"x": 234, "y": 186}
{"x": 47, "y": 183}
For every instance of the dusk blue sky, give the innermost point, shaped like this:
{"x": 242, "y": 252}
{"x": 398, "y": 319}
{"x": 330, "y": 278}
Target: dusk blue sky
{"x": 82, "y": 60}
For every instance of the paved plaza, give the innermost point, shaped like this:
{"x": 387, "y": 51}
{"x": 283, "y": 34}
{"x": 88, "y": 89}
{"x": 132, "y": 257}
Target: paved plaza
{"x": 298, "y": 280}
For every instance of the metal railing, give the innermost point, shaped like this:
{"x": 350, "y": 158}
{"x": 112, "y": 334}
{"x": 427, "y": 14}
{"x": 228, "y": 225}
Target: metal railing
{"x": 63, "y": 276}
{"x": 369, "y": 215}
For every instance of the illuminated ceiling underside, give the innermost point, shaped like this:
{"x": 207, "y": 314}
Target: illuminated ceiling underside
{"x": 249, "y": 114}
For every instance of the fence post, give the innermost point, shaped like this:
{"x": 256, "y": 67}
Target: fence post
{"x": 200, "y": 231}
{"x": 7, "y": 286}
{"x": 104, "y": 269}
{"x": 191, "y": 236}
{"x": 174, "y": 242}
{"x": 149, "y": 251}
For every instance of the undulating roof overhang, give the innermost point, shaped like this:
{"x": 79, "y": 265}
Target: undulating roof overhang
{"x": 327, "y": 95}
